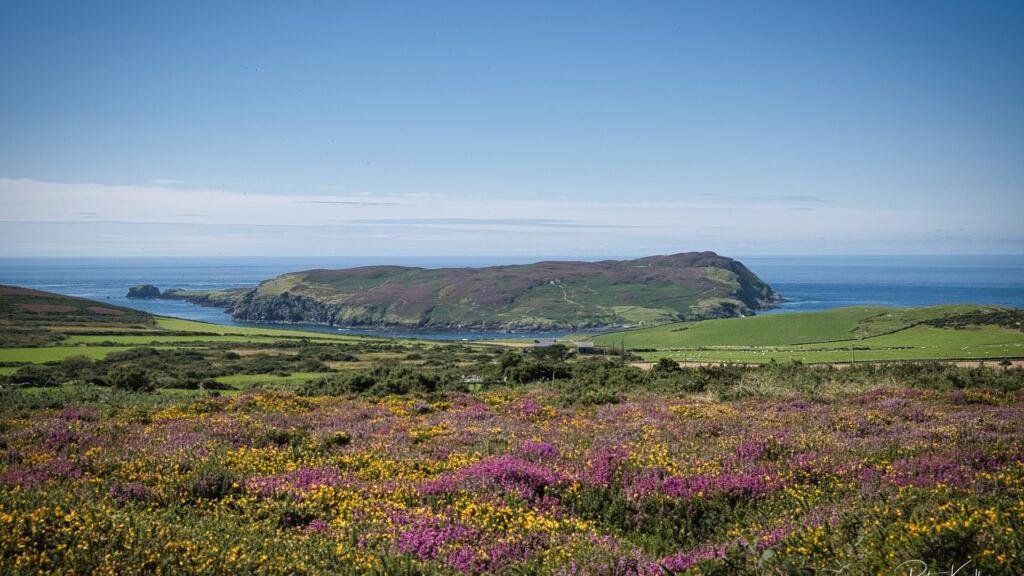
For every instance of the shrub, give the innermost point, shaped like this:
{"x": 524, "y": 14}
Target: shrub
{"x": 131, "y": 378}
{"x": 553, "y": 353}
{"x": 532, "y": 371}
{"x": 212, "y": 485}
{"x": 132, "y": 354}
{"x": 282, "y": 437}
{"x": 35, "y": 375}
{"x": 75, "y": 366}
{"x": 666, "y": 365}
{"x": 336, "y": 439}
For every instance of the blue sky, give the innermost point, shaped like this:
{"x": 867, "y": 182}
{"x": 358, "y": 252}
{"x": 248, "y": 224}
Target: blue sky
{"x": 524, "y": 128}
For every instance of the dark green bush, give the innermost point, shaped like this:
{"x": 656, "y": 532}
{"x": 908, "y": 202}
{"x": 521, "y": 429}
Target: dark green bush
{"x": 131, "y": 378}
{"x": 666, "y": 365}
{"x": 36, "y": 375}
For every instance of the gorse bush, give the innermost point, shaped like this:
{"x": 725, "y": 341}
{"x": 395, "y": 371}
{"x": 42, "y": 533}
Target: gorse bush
{"x": 73, "y": 367}
{"x": 36, "y": 375}
{"x": 438, "y": 372}
{"x": 131, "y": 378}
{"x": 379, "y": 381}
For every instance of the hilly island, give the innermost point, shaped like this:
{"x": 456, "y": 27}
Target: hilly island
{"x": 553, "y": 295}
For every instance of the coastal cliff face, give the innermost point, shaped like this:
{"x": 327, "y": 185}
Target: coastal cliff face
{"x": 144, "y": 292}
{"x": 216, "y": 298}
{"x": 541, "y": 296}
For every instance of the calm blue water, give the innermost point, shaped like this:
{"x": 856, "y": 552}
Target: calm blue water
{"x": 823, "y": 282}
{"x": 807, "y": 282}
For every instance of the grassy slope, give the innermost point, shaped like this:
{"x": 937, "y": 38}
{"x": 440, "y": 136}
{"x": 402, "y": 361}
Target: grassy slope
{"x": 56, "y": 353}
{"x": 24, "y": 307}
{"x": 570, "y": 300}
{"x": 876, "y": 333}
{"x": 164, "y": 339}
{"x": 245, "y": 380}
{"x": 99, "y": 345}
{"x": 77, "y": 327}
{"x": 180, "y": 325}
{"x": 779, "y": 329}
{"x": 255, "y": 333}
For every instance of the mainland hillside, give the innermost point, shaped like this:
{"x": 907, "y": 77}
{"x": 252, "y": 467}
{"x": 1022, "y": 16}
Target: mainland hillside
{"x": 540, "y": 296}
{"x": 21, "y": 308}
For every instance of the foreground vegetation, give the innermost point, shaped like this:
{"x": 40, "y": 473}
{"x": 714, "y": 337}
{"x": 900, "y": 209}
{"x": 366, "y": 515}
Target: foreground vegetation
{"x": 783, "y": 469}
{"x": 159, "y": 446}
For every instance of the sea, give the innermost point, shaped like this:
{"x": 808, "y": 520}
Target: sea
{"x": 806, "y": 282}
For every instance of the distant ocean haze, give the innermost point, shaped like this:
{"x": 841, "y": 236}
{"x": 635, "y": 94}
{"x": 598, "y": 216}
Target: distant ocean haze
{"x": 807, "y": 282}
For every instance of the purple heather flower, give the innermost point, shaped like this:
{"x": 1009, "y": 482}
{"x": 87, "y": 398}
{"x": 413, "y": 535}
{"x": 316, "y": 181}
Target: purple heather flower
{"x": 299, "y": 481}
{"x": 60, "y": 438}
{"x": 510, "y": 473}
{"x": 603, "y": 464}
{"x": 538, "y": 450}
{"x": 128, "y": 492}
{"x": 528, "y": 408}
{"x": 463, "y": 559}
{"x": 427, "y": 537}
{"x": 775, "y": 536}
{"x": 646, "y": 482}
{"x": 317, "y": 526}
{"x": 756, "y": 482}
{"x": 55, "y": 468}
{"x": 684, "y": 560}
{"x": 751, "y": 450}
{"x": 75, "y": 413}
{"x": 929, "y": 470}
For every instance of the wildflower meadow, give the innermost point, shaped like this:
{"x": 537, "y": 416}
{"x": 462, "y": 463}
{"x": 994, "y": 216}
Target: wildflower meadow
{"x": 513, "y": 481}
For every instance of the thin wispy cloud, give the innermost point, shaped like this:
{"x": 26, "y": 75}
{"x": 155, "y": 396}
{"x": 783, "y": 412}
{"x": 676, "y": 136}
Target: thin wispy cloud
{"x": 767, "y": 199}
{"x": 37, "y": 216}
{"x": 347, "y": 202}
{"x": 528, "y": 222}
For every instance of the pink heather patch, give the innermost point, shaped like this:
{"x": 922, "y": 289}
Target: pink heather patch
{"x": 602, "y": 465}
{"x": 509, "y": 473}
{"x": 538, "y": 450}
{"x": 684, "y": 560}
{"x": 296, "y": 482}
{"x": 317, "y": 526}
{"x": 757, "y": 482}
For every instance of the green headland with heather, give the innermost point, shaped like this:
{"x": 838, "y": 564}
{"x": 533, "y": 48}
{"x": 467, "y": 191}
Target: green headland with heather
{"x": 554, "y": 295}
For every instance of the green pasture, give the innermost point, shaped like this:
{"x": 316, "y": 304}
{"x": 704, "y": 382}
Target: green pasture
{"x": 57, "y": 353}
{"x": 98, "y": 346}
{"x": 166, "y": 339}
{"x": 95, "y": 329}
{"x": 860, "y": 333}
{"x": 855, "y": 322}
{"x": 246, "y": 380}
{"x": 917, "y": 343}
{"x": 180, "y": 325}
